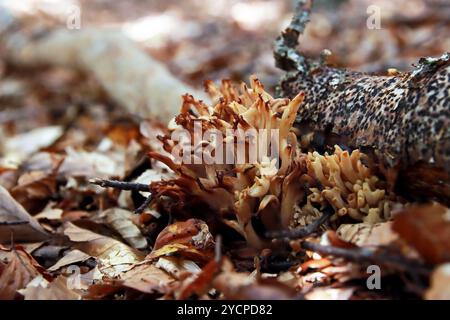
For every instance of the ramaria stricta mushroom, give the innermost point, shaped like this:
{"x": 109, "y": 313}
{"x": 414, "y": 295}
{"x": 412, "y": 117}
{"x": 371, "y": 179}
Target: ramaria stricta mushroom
{"x": 277, "y": 190}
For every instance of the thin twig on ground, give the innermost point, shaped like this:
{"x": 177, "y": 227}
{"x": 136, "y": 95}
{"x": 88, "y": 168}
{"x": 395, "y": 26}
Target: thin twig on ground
{"x": 377, "y": 256}
{"x": 121, "y": 185}
{"x": 301, "y": 232}
{"x": 13, "y": 223}
{"x": 144, "y": 205}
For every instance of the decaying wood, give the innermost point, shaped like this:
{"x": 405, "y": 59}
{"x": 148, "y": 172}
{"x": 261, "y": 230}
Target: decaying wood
{"x": 130, "y": 76}
{"x": 401, "y": 118}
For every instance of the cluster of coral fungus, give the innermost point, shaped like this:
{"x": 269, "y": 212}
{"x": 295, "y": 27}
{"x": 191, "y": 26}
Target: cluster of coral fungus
{"x": 289, "y": 189}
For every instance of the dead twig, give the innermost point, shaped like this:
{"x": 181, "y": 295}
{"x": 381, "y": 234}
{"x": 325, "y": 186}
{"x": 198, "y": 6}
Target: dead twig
{"x": 121, "y": 185}
{"x": 144, "y": 204}
{"x": 13, "y": 223}
{"x": 378, "y": 256}
{"x": 285, "y": 47}
{"x": 301, "y": 232}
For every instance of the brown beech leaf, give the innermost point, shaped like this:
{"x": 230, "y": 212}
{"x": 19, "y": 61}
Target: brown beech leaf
{"x": 427, "y": 229}
{"x": 142, "y": 277}
{"x": 90, "y": 164}
{"x": 11, "y": 211}
{"x": 201, "y": 282}
{"x": 147, "y": 278}
{"x": 34, "y": 185}
{"x": 21, "y": 146}
{"x": 121, "y": 221}
{"x": 240, "y": 286}
{"x": 19, "y": 268}
{"x": 178, "y": 267}
{"x": 190, "y": 239}
{"x": 114, "y": 257}
{"x": 72, "y": 257}
{"x": 40, "y": 289}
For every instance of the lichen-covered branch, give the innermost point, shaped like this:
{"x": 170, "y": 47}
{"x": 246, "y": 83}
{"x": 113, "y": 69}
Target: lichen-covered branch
{"x": 403, "y": 119}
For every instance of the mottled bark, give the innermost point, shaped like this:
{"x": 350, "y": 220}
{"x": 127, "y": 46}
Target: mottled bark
{"x": 402, "y": 119}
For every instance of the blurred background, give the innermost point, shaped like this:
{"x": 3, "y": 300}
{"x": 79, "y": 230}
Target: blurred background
{"x": 200, "y": 39}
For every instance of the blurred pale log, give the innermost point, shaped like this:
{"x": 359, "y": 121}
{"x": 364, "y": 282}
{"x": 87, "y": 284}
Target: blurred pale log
{"x": 131, "y": 77}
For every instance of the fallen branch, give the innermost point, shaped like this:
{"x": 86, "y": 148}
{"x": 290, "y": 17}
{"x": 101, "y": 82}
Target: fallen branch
{"x": 12, "y": 223}
{"x": 130, "y": 76}
{"x": 301, "y": 232}
{"x": 121, "y": 185}
{"x": 403, "y": 119}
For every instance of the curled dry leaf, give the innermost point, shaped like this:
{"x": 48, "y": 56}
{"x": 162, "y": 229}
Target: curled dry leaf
{"x": 427, "y": 229}
{"x": 200, "y": 283}
{"x": 190, "y": 239}
{"x": 143, "y": 277}
{"x": 50, "y": 214}
{"x": 121, "y": 221}
{"x": 35, "y": 185}
{"x": 23, "y": 145}
{"x": 10, "y": 211}
{"x": 19, "y": 268}
{"x": 73, "y": 256}
{"x": 179, "y": 268}
{"x": 440, "y": 284}
{"x": 40, "y": 289}
{"x": 147, "y": 278}
{"x": 114, "y": 257}
{"x": 240, "y": 286}
{"x": 91, "y": 164}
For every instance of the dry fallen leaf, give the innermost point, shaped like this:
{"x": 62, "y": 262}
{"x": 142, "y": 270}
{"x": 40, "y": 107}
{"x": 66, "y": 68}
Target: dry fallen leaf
{"x": 427, "y": 229}
{"x": 23, "y": 145}
{"x": 179, "y": 268}
{"x": 19, "y": 268}
{"x": 10, "y": 211}
{"x": 147, "y": 278}
{"x": 240, "y": 286}
{"x": 190, "y": 239}
{"x": 50, "y": 214}
{"x": 121, "y": 221}
{"x": 201, "y": 282}
{"x": 73, "y": 256}
{"x": 34, "y": 185}
{"x": 41, "y": 289}
{"x": 114, "y": 257}
{"x": 91, "y": 164}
